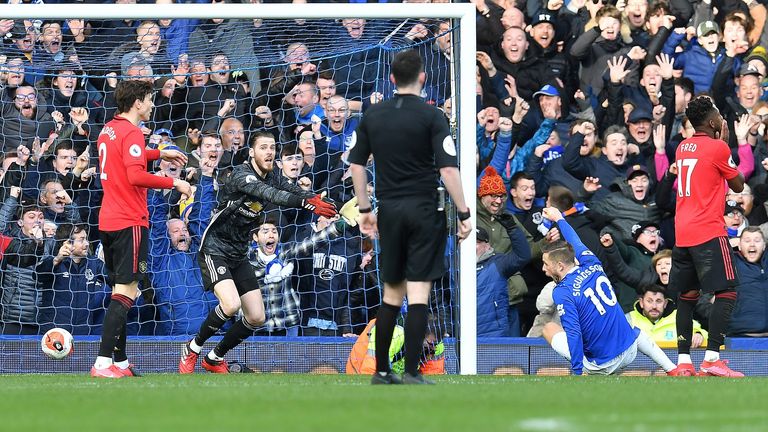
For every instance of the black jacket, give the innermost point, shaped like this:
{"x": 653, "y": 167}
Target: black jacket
{"x": 242, "y": 200}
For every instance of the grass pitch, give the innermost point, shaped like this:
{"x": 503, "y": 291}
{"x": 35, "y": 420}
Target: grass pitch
{"x": 337, "y": 403}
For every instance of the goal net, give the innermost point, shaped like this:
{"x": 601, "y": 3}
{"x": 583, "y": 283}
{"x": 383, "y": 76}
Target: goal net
{"x": 304, "y": 74}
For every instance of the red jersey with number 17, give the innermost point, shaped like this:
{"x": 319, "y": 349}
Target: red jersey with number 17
{"x": 704, "y": 165}
{"x": 124, "y": 177}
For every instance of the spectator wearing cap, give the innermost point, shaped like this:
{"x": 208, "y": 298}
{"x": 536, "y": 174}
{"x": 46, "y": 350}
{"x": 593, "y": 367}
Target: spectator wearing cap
{"x": 548, "y": 34}
{"x": 750, "y": 315}
{"x": 596, "y": 46}
{"x": 547, "y": 107}
{"x": 512, "y": 58}
{"x": 758, "y": 58}
{"x": 23, "y": 47}
{"x": 493, "y": 218}
{"x": 749, "y": 90}
{"x": 735, "y": 222}
{"x": 637, "y": 253}
{"x": 700, "y": 59}
{"x": 493, "y": 270}
{"x": 630, "y": 200}
{"x": 611, "y": 165}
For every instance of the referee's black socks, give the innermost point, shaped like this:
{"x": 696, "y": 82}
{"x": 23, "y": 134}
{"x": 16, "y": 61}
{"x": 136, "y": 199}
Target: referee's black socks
{"x": 415, "y": 330}
{"x": 385, "y": 326}
{"x": 114, "y": 324}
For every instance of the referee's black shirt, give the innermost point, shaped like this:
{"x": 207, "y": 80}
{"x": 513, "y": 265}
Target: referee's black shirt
{"x": 410, "y": 141}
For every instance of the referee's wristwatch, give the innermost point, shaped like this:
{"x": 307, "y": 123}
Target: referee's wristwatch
{"x": 463, "y": 215}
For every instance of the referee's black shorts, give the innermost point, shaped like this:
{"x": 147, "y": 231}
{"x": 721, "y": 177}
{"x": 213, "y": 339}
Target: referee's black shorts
{"x": 125, "y": 254}
{"x": 216, "y": 268}
{"x": 708, "y": 267}
{"x": 412, "y": 238}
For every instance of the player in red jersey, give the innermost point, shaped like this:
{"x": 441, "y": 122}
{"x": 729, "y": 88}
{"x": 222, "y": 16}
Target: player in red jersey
{"x": 702, "y": 257}
{"x": 124, "y": 219}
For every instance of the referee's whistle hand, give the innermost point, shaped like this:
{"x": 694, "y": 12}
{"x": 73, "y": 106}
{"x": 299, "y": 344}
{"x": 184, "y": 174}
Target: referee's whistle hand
{"x": 369, "y": 225}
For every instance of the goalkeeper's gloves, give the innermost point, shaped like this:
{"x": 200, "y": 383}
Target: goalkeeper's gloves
{"x": 320, "y": 205}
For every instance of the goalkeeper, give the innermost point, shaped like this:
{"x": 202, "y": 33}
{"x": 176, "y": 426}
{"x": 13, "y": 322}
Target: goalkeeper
{"x": 224, "y": 248}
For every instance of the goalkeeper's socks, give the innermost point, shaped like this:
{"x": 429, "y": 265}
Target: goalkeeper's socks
{"x": 215, "y": 320}
{"x": 385, "y": 326}
{"x": 234, "y": 336}
{"x": 194, "y": 347}
{"x": 415, "y": 330}
{"x": 212, "y": 356}
{"x": 114, "y": 324}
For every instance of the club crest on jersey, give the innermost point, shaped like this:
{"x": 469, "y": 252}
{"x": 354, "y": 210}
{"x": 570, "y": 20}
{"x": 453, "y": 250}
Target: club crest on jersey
{"x": 731, "y": 163}
{"x": 560, "y": 310}
{"x": 250, "y": 179}
{"x": 448, "y": 146}
{"x": 536, "y": 218}
{"x": 134, "y": 150}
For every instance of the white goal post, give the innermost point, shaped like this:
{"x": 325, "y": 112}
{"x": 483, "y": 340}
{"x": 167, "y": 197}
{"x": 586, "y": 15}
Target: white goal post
{"x": 465, "y": 104}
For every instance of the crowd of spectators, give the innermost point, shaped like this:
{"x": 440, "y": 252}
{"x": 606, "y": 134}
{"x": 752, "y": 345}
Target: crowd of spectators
{"x": 581, "y": 105}
{"x": 214, "y": 90}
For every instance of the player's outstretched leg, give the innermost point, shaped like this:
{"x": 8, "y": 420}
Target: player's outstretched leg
{"x": 647, "y": 346}
{"x": 191, "y": 350}
{"x": 718, "y": 323}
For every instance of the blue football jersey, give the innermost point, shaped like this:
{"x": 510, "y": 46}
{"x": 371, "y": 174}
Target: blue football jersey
{"x": 592, "y": 318}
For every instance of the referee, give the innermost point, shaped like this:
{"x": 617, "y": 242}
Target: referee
{"x": 410, "y": 142}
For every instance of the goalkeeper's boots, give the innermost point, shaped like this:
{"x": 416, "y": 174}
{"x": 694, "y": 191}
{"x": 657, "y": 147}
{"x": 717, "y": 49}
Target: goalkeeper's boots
{"x": 188, "y": 360}
{"x": 389, "y": 378}
{"x": 719, "y": 368}
{"x": 416, "y": 379}
{"x": 130, "y": 371}
{"x": 111, "y": 372}
{"x": 214, "y": 366}
{"x": 683, "y": 369}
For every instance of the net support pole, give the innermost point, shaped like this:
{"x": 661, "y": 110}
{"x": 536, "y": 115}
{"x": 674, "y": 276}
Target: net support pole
{"x": 465, "y": 106}
{"x": 467, "y": 256}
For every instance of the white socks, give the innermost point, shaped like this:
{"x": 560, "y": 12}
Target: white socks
{"x": 711, "y": 356}
{"x": 122, "y": 364}
{"x": 684, "y": 358}
{"x": 212, "y": 355}
{"x": 102, "y": 362}
{"x": 194, "y": 346}
{"x": 647, "y": 346}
